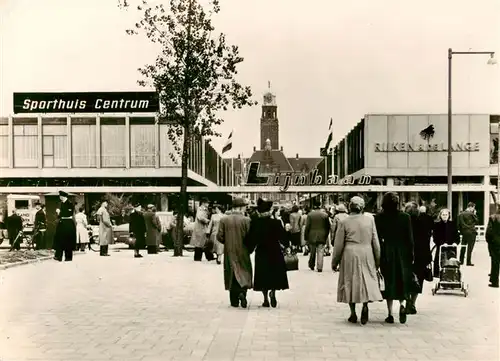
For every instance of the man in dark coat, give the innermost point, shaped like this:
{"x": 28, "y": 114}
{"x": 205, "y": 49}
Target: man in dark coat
{"x": 466, "y": 224}
{"x": 65, "y": 237}
{"x": 40, "y": 226}
{"x": 493, "y": 240}
{"x": 316, "y": 235}
{"x": 153, "y": 229}
{"x": 233, "y": 229}
{"x": 137, "y": 228}
{"x": 14, "y": 226}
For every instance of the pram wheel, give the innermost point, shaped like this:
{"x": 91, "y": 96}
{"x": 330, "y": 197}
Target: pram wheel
{"x": 465, "y": 290}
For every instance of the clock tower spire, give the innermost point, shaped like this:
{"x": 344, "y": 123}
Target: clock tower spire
{"x": 269, "y": 125}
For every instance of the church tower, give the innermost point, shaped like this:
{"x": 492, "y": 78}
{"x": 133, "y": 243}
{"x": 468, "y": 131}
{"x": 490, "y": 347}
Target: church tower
{"x": 269, "y": 126}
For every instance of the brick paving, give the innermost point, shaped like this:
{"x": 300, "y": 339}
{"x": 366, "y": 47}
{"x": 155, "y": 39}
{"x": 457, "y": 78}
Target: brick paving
{"x": 164, "y": 308}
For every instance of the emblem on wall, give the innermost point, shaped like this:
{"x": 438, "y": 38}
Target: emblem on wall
{"x": 428, "y": 133}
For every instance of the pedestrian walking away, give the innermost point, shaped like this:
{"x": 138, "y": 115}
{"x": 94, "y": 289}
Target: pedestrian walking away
{"x": 82, "y": 234}
{"x": 316, "y": 235}
{"x": 270, "y": 269}
{"x": 213, "y": 229}
{"x": 357, "y": 249}
{"x": 153, "y": 229}
{"x": 65, "y": 236}
{"x": 233, "y": 229}
{"x": 396, "y": 261}
{"x": 137, "y": 228}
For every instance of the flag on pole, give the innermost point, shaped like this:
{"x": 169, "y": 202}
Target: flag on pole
{"x": 330, "y": 136}
{"x": 229, "y": 143}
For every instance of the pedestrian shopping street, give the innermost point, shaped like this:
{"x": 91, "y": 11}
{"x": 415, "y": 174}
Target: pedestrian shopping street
{"x": 164, "y": 308}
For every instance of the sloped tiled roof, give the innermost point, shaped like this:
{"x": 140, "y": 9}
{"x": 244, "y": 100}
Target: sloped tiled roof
{"x": 304, "y": 164}
{"x": 277, "y": 160}
{"x": 271, "y": 161}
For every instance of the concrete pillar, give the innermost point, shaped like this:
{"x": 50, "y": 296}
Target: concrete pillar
{"x": 487, "y": 200}
{"x": 10, "y": 142}
{"x": 127, "y": 142}
{"x": 164, "y": 202}
{"x": 69, "y": 142}
{"x": 40, "y": 141}
{"x": 460, "y": 201}
{"x": 98, "y": 142}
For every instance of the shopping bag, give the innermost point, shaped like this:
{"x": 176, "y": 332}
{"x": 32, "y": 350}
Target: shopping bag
{"x": 381, "y": 282}
{"x": 428, "y": 275}
{"x": 291, "y": 261}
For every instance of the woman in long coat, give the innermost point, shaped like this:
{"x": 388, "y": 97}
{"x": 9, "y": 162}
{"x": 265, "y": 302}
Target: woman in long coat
{"x": 153, "y": 230}
{"x": 213, "y": 228}
{"x": 82, "y": 234}
{"x": 265, "y": 236}
{"x": 421, "y": 229}
{"x": 357, "y": 249}
{"x": 105, "y": 229}
{"x": 445, "y": 232}
{"x": 396, "y": 264}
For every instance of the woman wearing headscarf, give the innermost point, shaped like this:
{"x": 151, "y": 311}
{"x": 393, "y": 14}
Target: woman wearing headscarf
{"x": 357, "y": 250}
{"x": 213, "y": 229}
{"x": 270, "y": 269}
{"x": 445, "y": 232}
{"x": 396, "y": 241}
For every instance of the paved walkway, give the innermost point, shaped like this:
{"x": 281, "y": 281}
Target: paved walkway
{"x": 164, "y": 308}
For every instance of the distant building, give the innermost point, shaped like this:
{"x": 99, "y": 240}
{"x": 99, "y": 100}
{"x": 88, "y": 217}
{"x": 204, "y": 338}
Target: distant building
{"x": 270, "y": 155}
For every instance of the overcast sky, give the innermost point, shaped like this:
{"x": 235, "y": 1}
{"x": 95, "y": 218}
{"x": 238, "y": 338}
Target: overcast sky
{"x": 327, "y": 59}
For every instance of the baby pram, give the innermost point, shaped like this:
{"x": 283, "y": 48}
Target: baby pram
{"x": 450, "y": 276}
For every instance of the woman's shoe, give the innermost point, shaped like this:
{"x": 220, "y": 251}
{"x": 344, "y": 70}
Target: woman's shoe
{"x": 364, "y": 315}
{"x": 389, "y": 319}
{"x": 243, "y": 300}
{"x": 402, "y": 314}
{"x": 274, "y": 302}
{"x": 353, "y": 319}
{"x": 265, "y": 303}
{"x": 411, "y": 310}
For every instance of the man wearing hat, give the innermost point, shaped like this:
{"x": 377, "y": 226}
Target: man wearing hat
{"x": 65, "y": 237}
{"x": 40, "y": 226}
{"x": 137, "y": 228}
{"x": 233, "y": 229}
{"x": 316, "y": 235}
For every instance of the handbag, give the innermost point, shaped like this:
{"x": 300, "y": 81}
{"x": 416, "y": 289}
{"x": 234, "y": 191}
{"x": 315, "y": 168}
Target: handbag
{"x": 415, "y": 284}
{"x": 428, "y": 275}
{"x": 381, "y": 282}
{"x": 291, "y": 261}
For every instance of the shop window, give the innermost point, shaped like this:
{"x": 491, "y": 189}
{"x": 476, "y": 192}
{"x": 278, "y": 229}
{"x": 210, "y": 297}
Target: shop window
{"x": 54, "y": 145}
{"x": 26, "y": 145}
{"x": 112, "y": 145}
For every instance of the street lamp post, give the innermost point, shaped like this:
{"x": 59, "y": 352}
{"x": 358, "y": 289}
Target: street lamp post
{"x": 491, "y": 61}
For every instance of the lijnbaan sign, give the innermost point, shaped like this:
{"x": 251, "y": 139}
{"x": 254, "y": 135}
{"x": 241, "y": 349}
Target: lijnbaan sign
{"x": 101, "y": 102}
{"x": 286, "y": 179}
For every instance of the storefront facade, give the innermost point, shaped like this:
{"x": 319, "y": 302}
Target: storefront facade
{"x": 411, "y": 150}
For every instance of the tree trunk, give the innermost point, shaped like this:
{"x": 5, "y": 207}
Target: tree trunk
{"x": 179, "y": 239}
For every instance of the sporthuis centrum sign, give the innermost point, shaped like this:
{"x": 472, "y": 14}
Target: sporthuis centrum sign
{"x": 286, "y": 179}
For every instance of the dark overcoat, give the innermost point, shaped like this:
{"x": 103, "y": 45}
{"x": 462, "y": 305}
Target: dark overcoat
{"x": 422, "y": 229}
{"x": 65, "y": 236}
{"x": 265, "y": 236}
{"x": 137, "y": 227}
{"x": 153, "y": 228}
{"x": 396, "y": 240}
{"x": 233, "y": 230}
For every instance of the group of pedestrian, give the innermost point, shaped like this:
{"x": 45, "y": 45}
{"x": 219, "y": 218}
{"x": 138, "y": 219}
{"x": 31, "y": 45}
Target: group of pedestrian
{"x": 241, "y": 235}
